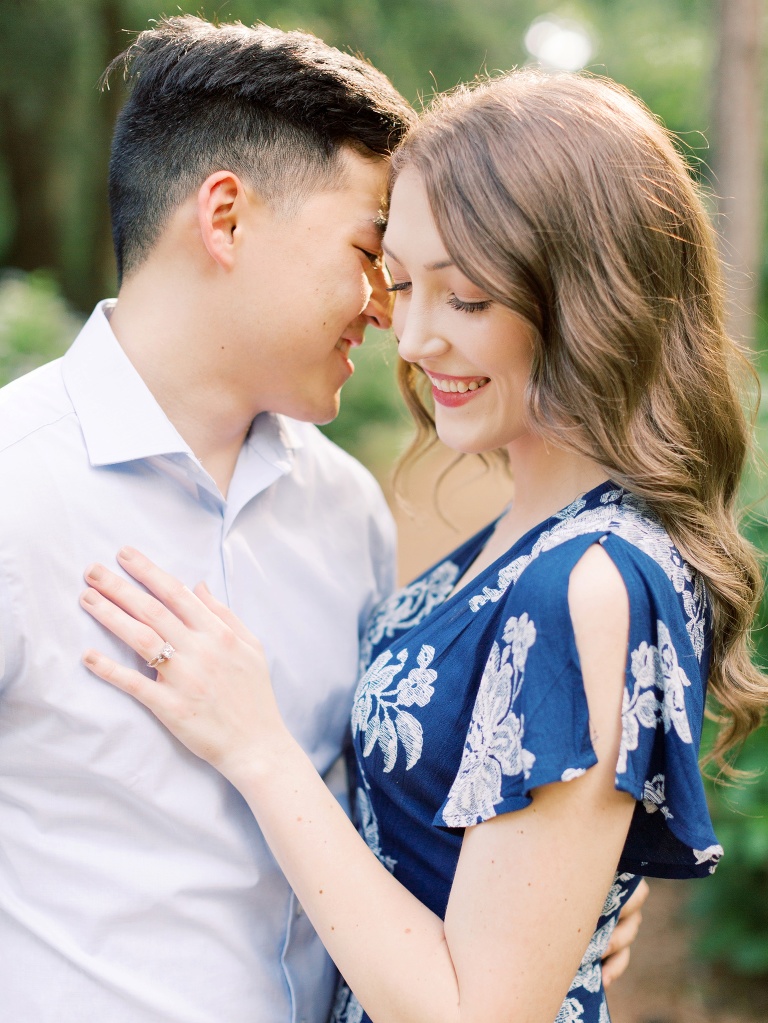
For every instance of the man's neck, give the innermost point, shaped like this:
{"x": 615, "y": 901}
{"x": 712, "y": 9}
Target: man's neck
{"x": 168, "y": 345}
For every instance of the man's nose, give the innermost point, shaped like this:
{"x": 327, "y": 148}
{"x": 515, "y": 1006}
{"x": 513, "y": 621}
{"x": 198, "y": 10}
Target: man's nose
{"x": 378, "y": 312}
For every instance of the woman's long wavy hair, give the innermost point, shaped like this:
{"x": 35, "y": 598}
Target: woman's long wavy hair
{"x": 566, "y": 200}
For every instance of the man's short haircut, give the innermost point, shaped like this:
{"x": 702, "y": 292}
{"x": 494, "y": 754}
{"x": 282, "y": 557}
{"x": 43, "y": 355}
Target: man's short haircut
{"x": 273, "y": 107}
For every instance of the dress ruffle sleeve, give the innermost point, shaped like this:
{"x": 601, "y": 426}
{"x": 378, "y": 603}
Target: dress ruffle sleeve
{"x": 530, "y": 722}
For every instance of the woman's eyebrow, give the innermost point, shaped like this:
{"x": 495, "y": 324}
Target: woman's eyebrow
{"x": 441, "y": 264}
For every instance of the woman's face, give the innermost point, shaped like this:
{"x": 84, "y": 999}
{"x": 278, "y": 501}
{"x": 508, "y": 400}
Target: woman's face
{"x": 477, "y": 353}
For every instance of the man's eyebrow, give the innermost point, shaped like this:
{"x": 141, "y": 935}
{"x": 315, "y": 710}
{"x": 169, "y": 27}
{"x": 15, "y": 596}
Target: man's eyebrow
{"x": 441, "y": 264}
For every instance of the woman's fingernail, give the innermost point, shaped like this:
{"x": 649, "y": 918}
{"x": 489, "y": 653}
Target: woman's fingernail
{"x": 89, "y": 597}
{"x": 126, "y": 553}
{"x": 89, "y": 658}
{"x": 94, "y": 572}
{"x": 204, "y": 585}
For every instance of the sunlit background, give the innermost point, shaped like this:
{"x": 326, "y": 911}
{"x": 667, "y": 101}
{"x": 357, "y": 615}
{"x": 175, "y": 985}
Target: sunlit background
{"x": 703, "y": 954}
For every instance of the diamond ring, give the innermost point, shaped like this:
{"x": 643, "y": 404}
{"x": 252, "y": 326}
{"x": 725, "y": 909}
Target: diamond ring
{"x": 165, "y": 655}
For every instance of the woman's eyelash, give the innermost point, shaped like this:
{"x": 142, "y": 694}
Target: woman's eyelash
{"x": 468, "y": 307}
{"x": 453, "y": 301}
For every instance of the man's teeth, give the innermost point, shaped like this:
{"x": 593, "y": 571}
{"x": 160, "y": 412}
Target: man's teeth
{"x": 458, "y": 386}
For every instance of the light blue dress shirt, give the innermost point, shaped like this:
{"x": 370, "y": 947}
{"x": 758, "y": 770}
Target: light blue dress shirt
{"x": 135, "y": 886}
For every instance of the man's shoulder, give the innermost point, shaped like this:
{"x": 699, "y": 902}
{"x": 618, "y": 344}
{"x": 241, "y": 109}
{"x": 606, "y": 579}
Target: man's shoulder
{"x": 31, "y": 403}
{"x": 332, "y": 461}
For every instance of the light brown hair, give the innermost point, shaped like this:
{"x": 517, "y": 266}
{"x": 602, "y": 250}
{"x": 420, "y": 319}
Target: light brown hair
{"x": 567, "y": 201}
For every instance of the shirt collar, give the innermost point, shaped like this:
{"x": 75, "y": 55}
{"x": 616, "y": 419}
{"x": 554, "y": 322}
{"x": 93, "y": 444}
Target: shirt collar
{"x": 120, "y": 417}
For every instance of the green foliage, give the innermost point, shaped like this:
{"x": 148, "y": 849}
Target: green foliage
{"x": 36, "y": 324}
{"x": 373, "y": 423}
{"x": 732, "y": 907}
{"x": 55, "y": 124}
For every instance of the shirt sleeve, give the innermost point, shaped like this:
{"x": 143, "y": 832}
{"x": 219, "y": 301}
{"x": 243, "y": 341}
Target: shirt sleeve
{"x": 530, "y": 722}
{"x": 10, "y": 639}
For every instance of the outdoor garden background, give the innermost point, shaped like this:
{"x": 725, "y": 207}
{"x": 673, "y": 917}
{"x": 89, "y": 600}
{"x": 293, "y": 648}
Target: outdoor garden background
{"x": 703, "y": 953}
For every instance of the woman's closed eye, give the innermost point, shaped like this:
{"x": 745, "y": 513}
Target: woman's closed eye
{"x": 459, "y": 304}
{"x": 468, "y": 307}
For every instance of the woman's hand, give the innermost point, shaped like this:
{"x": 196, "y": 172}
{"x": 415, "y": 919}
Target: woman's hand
{"x": 214, "y": 692}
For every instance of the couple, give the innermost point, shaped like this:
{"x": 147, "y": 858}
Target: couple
{"x": 526, "y": 728}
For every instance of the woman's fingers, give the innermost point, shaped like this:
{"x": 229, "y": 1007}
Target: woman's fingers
{"x": 142, "y": 607}
{"x": 170, "y": 592}
{"x": 142, "y": 638}
{"x": 145, "y": 690}
{"x": 226, "y": 615}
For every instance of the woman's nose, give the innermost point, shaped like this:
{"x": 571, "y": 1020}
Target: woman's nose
{"x": 416, "y": 337}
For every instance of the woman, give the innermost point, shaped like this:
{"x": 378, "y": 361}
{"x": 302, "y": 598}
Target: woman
{"x": 527, "y": 728}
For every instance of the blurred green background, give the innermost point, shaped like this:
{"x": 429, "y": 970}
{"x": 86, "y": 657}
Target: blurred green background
{"x": 56, "y": 259}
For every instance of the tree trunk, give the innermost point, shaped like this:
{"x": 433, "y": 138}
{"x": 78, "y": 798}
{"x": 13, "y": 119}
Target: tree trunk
{"x": 738, "y": 157}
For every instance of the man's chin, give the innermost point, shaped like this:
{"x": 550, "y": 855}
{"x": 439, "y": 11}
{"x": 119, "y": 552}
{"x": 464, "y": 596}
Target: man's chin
{"x": 318, "y": 413}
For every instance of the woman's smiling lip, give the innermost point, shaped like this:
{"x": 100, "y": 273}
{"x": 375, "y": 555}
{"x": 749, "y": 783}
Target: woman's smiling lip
{"x": 453, "y": 391}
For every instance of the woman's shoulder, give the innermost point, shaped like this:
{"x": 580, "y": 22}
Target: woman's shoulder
{"x": 627, "y": 528}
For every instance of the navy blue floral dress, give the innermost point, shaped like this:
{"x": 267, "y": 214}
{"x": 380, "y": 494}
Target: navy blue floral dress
{"x": 470, "y": 700}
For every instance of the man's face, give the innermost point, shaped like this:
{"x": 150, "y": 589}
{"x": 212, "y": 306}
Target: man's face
{"x": 305, "y": 288}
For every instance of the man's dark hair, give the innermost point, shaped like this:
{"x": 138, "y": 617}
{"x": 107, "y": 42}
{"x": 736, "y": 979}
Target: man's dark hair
{"x": 273, "y": 107}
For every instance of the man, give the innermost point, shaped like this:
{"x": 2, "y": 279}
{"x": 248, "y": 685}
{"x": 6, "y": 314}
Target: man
{"x": 247, "y": 182}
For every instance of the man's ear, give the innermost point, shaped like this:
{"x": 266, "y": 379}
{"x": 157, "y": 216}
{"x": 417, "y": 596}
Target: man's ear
{"x": 221, "y": 203}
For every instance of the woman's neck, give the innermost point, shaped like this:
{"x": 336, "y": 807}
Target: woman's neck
{"x": 546, "y": 479}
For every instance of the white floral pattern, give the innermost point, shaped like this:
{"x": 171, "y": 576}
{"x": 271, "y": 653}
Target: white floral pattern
{"x": 654, "y": 668}
{"x": 407, "y": 607}
{"x": 378, "y": 707}
{"x": 711, "y": 855}
{"x": 494, "y": 743}
{"x": 346, "y": 1008}
{"x": 571, "y": 1011}
{"x": 626, "y": 516}
{"x": 370, "y": 828}
{"x": 589, "y": 975}
{"x": 654, "y": 797}
{"x": 614, "y": 900}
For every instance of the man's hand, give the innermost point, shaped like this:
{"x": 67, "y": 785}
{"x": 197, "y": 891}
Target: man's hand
{"x": 616, "y": 958}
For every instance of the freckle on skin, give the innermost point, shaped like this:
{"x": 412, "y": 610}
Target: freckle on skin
{"x": 320, "y": 892}
{"x": 299, "y": 818}
{"x": 407, "y": 930}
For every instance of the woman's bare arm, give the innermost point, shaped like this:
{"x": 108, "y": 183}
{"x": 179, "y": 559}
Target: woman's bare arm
{"x": 529, "y": 886}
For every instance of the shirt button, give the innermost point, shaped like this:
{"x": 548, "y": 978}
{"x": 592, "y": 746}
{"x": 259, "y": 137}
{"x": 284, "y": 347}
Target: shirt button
{"x": 300, "y": 912}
